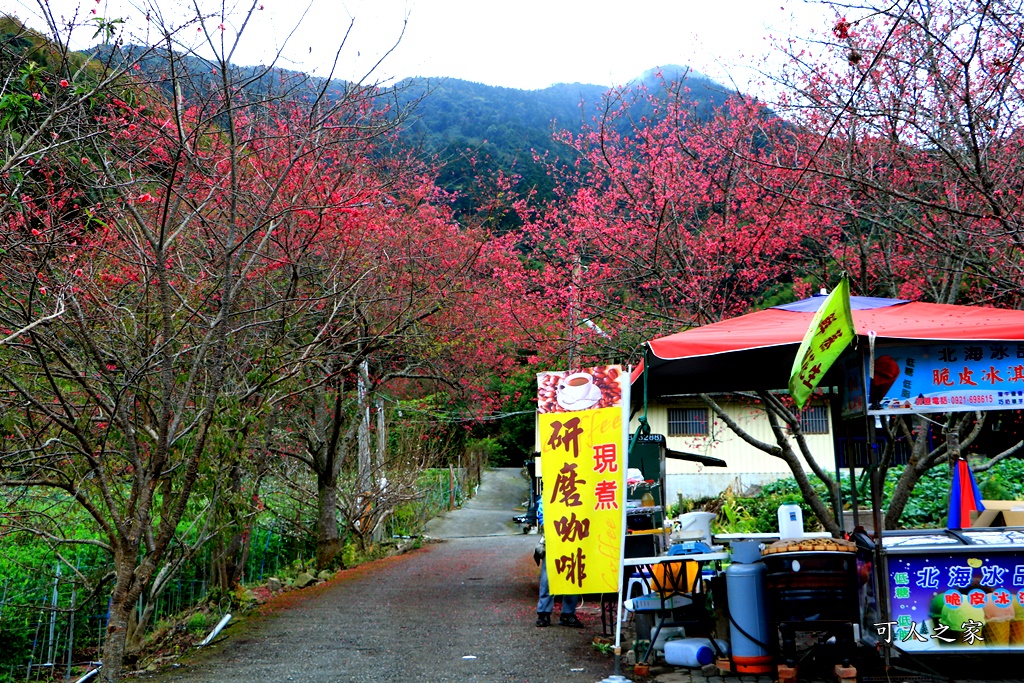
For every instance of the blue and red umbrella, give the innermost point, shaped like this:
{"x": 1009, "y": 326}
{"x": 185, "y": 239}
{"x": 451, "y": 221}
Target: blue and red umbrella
{"x": 964, "y": 498}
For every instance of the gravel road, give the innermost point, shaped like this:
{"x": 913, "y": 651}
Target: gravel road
{"x": 460, "y": 609}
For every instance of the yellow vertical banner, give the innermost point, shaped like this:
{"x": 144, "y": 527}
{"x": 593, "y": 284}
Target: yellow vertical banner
{"x": 581, "y": 418}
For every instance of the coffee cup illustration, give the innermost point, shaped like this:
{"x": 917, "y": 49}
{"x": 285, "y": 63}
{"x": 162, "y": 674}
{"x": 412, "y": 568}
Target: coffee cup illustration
{"x": 575, "y": 387}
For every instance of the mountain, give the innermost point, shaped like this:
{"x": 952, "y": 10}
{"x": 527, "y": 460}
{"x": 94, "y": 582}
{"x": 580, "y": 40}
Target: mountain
{"x": 473, "y": 127}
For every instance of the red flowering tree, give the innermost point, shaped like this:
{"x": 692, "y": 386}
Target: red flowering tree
{"x": 147, "y": 303}
{"x": 392, "y": 283}
{"x": 672, "y": 219}
{"x": 911, "y": 117}
{"x": 668, "y": 221}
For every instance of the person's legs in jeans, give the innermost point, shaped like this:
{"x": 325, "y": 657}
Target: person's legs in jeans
{"x": 546, "y": 601}
{"x": 568, "y": 616}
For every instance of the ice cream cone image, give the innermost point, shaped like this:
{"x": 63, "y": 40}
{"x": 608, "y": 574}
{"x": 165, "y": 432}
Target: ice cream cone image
{"x": 1017, "y": 632}
{"x": 961, "y": 620}
{"x": 999, "y": 614}
{"x": 997, "y": 632}
{"x": 1017, "y": 625}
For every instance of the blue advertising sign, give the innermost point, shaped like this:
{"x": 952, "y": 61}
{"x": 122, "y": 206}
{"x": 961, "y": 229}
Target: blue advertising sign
{"x": 854, "y": 401}
{"x": 949, "y": 602}
{"x": 952, "y": 377}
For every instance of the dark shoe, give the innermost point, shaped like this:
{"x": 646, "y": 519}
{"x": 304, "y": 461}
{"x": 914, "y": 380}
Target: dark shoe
{"x": 543, "y": 619}
{"x": 570, "y": 620}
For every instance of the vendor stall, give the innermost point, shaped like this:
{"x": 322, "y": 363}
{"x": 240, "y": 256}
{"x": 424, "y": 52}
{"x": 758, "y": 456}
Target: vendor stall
{"x": 903, "y": 594}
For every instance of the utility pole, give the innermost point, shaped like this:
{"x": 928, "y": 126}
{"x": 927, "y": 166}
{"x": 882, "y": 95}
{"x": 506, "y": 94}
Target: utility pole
{"x": 364, "y": 476}
{"x": 377, "y": 472}
{"x": 577, "y": 269}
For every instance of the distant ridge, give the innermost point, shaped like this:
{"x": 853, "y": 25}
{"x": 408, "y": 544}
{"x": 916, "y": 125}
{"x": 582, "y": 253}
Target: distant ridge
{"x": 473, "y": 128}
{"x": 502, "y": 128}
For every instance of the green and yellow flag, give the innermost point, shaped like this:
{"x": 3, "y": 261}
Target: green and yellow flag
{"x": 831, "y": 331}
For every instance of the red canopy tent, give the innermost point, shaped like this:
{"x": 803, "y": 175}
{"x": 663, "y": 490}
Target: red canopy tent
{"x": 756, "y": 351}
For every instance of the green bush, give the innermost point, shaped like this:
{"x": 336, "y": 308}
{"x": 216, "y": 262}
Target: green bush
{"x": 15, "y": 643}
{"x": 197, "y": 623}
{"x": 929, "y": 503}
{"x": 350, "y": 554}
{"x": 1005, "y": 481}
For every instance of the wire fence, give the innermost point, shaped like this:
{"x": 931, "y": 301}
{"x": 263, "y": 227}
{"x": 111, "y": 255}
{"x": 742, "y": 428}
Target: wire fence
{"x": 51, "y": 630}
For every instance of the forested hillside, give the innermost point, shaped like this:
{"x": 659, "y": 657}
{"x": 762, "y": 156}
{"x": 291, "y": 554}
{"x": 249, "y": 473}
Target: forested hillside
{"x": 471, "y": 129}
{"x": 477, "y": 129}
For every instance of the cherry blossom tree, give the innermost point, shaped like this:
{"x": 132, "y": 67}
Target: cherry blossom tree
{"x": 678, "y": 221}
{"x": 156, "y": 247}
{"x": 913, "y": 112}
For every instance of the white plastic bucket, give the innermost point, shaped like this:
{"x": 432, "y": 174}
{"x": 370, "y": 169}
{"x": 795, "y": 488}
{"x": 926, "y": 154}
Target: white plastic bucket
{"x": 667, "y": 635}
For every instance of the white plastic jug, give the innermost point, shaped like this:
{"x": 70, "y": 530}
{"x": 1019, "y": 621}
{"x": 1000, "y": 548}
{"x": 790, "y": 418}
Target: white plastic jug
{"x": 791, "y": 521}
{"x": 691, "y": 652}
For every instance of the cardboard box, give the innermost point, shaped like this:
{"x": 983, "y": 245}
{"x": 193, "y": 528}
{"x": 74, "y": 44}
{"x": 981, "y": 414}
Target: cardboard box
{"x": 1000, "y": 513}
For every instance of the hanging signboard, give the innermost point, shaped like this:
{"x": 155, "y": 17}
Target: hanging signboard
{"x": 582, "y": 421}
{"x": 943, "y": 378}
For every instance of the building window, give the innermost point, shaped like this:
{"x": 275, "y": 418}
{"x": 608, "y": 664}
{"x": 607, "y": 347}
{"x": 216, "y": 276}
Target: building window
{"x": 687, "y": 421}
{"x": 814, "y": 420}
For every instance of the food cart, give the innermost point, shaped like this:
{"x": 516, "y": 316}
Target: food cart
{"x": 943, "y": 591}
{"x": 899, "y": 593}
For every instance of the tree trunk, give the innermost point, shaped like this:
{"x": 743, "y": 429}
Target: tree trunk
{"x": 229, "y": 555}
{"x": 915, "y": 468}
{"x": 122, "y": 603}
{"x": 229, "y": 561}
{"x": 328, "y": 545}
{"x": 783, "y": 450}
{"x": 901, "y": 494}
{"x": 113, "y": 648}
{"x": 812, "y": 498}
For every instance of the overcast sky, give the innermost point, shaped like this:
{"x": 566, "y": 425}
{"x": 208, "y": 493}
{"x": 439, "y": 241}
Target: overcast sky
{"x": 526, "y": 44}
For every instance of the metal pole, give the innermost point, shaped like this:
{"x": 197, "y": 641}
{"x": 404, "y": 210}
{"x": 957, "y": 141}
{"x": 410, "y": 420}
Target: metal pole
{"x": 51, "y": 641}
{"x": 835, "y": 412}
{"x": 35, "y": 641}
{"x": 851, "y": 456}
{"x": 71, "y": 635}
{"x": 573, "y": 313}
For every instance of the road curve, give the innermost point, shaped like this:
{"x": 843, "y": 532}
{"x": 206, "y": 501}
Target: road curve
{"x": 489, "y": 513}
